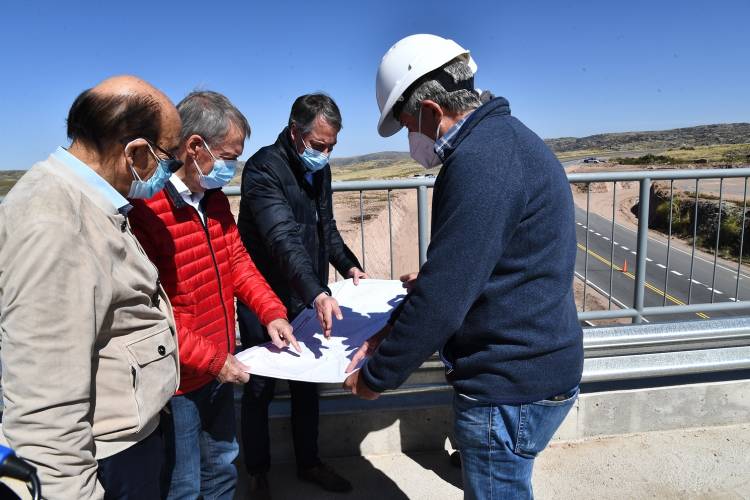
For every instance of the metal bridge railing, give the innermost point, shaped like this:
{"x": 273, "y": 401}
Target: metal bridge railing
{"x": 646, "y": 298}
{"x": 620, "y": 352}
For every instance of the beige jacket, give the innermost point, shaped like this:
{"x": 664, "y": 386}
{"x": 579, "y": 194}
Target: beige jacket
{"x": 88, "y": 359}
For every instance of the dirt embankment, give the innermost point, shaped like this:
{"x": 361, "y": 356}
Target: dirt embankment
{"x": 403, "y": 235}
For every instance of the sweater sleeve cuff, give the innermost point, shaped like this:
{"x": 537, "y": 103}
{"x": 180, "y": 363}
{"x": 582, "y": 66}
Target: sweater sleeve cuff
{"x": 369, "y": 380}
{"x": 272, "y": 315}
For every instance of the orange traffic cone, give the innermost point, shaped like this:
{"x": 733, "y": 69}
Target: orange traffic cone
{"x": 625, "y": 266}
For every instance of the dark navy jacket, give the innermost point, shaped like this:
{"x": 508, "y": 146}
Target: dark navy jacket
{"x": 496, "y": 290}
{"x": 287, "y": 224}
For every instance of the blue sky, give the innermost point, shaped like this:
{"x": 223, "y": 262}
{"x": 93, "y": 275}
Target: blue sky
{"x": 568, "y": 68}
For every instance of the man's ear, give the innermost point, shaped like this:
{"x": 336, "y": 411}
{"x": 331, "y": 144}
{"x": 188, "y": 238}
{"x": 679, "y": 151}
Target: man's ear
{"x": 135, "y": 152}
{"x": 432, "y": 109}
{"x": 192, "y": 144}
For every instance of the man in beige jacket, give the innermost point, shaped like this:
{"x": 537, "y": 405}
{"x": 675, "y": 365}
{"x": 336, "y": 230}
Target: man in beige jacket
{"x": 89, "y": 352}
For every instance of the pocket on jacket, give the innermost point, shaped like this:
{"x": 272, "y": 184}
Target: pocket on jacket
{"x": 154, "y": 372}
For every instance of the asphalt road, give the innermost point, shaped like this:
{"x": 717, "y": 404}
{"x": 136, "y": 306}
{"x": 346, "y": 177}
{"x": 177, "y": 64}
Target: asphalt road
{"x": 669, "y": 279}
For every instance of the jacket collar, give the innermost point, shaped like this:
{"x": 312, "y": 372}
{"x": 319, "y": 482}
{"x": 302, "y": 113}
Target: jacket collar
{"x": 98, "y": 196}
{"x": 174, "y": 195}
{"x": 291, "y": 157}
{"x": 497, "y": 106}
{"x": 178, "y": 201}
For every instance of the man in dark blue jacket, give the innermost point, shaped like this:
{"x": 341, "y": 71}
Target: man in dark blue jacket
{"x": 495, "y": 295}
{"x": 286, "y": 222}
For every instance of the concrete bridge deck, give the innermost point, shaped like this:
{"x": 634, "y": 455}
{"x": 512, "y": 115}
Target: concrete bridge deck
{"x": 704, "y": 463}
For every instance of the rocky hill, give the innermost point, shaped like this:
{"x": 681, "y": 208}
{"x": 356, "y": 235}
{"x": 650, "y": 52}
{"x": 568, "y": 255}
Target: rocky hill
{"x": 389, "y": 164}
{"x": 703, "y": 135}
{"x": 382, "y": 159}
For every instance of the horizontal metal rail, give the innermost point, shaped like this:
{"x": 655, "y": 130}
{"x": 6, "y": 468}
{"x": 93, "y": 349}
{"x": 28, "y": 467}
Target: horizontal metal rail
{"x": 666, "y": 337}
{"x": 659, "y": 175}
{"x": 642, "y": 351}
{"x": 669, "y": 364}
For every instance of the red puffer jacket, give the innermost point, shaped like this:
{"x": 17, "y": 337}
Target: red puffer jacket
{"x": 202, "y": 268}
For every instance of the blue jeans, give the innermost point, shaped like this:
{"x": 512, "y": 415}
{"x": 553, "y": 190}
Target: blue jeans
{"x": 201, "y": 443}
{"x": 498, "y": 443}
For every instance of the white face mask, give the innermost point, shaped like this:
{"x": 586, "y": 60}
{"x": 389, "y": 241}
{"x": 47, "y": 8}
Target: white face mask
{"x": 422, "y": 148}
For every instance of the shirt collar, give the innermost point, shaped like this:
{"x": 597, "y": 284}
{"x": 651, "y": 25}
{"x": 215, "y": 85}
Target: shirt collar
{"x": 444, "y": 144}
{"x": 93, "y": 180}
{"x": 184, "y": 191}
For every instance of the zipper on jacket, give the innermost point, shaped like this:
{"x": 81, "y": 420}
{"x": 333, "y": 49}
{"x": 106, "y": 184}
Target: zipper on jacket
{"x": 218, "y": 277}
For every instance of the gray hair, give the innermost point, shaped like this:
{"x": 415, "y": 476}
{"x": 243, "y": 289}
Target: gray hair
{"x": 308, "y": 107}
{"x": 209, "y": 115}
{"x": 455, "y": 74}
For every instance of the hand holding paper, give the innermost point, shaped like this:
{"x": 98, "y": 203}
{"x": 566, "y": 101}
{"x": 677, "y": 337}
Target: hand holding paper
{"x": 365, "y": 310}
{"x": 233, "y": 371}
{"x": 356, "y": 274}
{"x": 368, "y": 348}
{"x": 358, "y": 387}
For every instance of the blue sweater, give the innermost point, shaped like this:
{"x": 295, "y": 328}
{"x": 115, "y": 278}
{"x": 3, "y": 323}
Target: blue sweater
{"x": 496, "y": 291}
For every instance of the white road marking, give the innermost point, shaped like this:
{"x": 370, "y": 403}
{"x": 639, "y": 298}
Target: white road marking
{"x": 675, "y": 272}
{"x": 597, "y": 234}
{"x": 696, "y": 282}
{"x": 625, "y": 248}
{"x": 649, "y": 260}
{"x": 600, "y": 290}
{"x": 654, "y": 240}
{"x": 633, "y": 252}
{"x": 662, "y": 266}
{"x": 606, "y": 238}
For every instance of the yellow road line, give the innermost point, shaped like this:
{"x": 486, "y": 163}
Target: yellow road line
{"x": 648, "y": 285}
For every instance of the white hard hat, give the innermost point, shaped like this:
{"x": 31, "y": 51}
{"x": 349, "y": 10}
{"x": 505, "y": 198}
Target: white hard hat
{"x": 408, "y": 60}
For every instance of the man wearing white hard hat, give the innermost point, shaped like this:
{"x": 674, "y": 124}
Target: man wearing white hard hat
{"x": 495, "y": 296}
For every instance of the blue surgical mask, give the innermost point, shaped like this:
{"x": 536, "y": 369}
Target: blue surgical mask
{"x": 147, "y": 189}
{"x": 221, "y": 173}
{"x": 312, "y": 159}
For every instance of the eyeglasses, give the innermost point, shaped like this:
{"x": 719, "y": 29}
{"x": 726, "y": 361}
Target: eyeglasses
{"x": 173, "y": 164}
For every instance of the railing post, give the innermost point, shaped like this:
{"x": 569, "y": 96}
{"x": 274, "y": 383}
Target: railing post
{"x": 362, "y": 225}
{"x": 640, "y": 269}
{"x": 422, "y": 223}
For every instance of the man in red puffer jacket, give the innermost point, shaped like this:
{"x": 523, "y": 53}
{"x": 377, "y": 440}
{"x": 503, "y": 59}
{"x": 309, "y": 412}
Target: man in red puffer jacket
{"x": 189, "y": 233}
